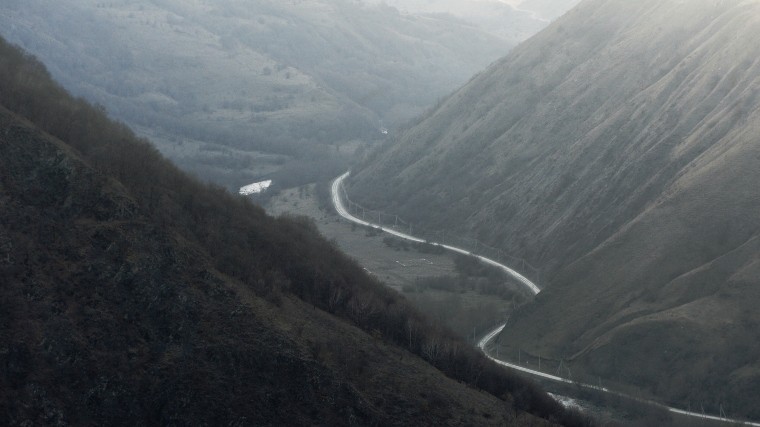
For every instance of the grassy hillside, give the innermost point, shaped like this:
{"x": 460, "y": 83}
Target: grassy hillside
{"x": 132, "y": 294}
{"x": 616, "y": 149}
{"x": 290, "y": 78}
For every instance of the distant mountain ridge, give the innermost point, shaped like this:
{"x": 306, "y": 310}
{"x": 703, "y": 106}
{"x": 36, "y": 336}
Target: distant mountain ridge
{"x": 618, "y": 150}
{"x": 215, "y": 83}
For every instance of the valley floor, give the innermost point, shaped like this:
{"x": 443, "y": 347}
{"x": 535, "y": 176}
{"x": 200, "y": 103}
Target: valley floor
{"x": 469, "y": 313}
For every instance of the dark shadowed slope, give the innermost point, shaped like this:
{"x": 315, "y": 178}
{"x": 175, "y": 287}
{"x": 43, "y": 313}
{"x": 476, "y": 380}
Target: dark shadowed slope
{"x": 618, "y": 150}
{"x": 131, "y": 294}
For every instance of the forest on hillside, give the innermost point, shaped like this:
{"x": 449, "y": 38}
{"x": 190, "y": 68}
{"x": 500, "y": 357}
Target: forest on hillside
{"x": 85, "y": 183}
{"x": 616, "y": 150}
{"x": 238, "y": 91}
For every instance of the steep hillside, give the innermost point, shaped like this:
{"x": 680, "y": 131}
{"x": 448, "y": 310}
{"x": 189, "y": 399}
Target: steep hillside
{"x": 215, "y": 83}
{"x": 132, "y": 294}
{"x": 618, "y": 150}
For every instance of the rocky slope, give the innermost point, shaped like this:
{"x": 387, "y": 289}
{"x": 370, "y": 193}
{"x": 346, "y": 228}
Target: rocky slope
{"x": 617, "y": 149}
{"x": 132, "y": 294}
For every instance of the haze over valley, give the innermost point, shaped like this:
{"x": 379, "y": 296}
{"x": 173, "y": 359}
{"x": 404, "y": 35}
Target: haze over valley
{"x": 239, "y": 91}
{"x": 365, "y": 212}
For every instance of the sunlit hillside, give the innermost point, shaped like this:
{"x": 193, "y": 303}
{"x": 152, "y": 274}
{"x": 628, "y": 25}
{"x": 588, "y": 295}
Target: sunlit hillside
{"x": 617, "y": 150}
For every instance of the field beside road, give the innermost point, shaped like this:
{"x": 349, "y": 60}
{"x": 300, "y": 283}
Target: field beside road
{"x": 431, "y": 280}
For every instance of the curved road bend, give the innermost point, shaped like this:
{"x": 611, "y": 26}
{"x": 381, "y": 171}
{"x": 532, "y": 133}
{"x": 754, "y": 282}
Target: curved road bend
{"x": 342, "y": 211}
{"x": 483, "y": 343}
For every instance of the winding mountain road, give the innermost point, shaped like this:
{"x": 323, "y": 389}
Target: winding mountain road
{"x": 483, "y": 344}
{"x": 342, "y": 211}
{"x": 486, "y": 340}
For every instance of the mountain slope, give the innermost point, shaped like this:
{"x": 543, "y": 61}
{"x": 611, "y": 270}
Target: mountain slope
{"x": 214, "y": 83}
{"x": 132, "y": 294}
{"x": 617, "y": 149}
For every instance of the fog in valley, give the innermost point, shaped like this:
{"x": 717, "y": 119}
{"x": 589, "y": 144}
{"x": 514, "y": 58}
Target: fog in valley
{"x": 379, "y": 212}
{"x": 240, "y": 91}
